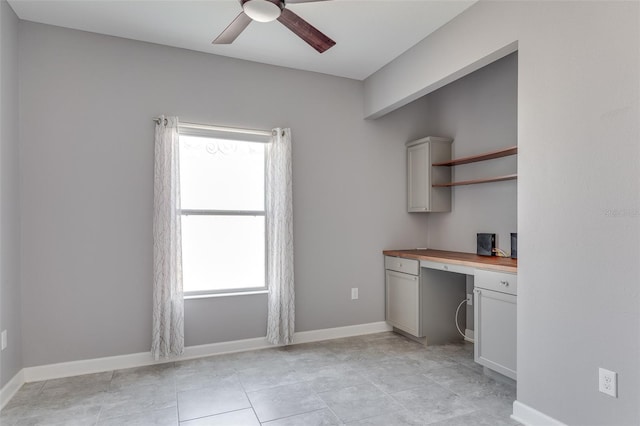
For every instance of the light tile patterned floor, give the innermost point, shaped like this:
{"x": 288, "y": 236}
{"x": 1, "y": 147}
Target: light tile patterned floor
{"x": 380, "y": 379}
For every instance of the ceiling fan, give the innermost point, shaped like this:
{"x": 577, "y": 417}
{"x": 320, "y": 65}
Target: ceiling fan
{"x": 270, "y": 10}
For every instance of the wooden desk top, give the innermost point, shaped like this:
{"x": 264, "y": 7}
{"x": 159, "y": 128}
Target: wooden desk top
{"x": 494, "y": 263}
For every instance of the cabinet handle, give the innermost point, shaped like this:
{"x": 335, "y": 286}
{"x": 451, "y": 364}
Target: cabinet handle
{"x": 505, "y": 283}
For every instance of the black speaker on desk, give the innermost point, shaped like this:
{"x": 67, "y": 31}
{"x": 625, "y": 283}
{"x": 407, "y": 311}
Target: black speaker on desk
{"x": 486, "y": 245}
{"x": 514, "y": 245}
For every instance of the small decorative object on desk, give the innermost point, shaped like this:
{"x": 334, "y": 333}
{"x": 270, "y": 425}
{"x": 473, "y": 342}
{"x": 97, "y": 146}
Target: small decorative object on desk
{"x": 486, "y": 245}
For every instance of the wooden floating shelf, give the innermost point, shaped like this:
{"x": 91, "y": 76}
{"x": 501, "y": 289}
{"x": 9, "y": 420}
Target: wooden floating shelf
{"x": 505, "y": 152}
{"x": 475, "y": 181}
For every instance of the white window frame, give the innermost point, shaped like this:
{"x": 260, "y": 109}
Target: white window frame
{"x": 241, "y": 135}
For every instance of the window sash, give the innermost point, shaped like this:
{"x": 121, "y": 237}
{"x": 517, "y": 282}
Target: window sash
{"x": 230, "y": 290}
{"x": 240, "y": 135}
{"x": 191, "y": 212}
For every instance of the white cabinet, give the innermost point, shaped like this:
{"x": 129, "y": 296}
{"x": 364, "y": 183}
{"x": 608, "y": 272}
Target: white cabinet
{"x": 423, "y": 301}
{"x": 495, "y": 316}
{"x": 403, "y": 310}
{"x": 421, "y": 176}
{"x": 403, "y": 301}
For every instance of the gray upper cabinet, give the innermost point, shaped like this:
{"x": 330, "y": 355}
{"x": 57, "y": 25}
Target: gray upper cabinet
{"x": 421, "y": 176}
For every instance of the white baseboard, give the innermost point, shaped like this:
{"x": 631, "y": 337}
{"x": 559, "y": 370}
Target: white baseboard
{"x": 531, "y": 417}
{"x": 338, "y": 332}
{"x": 9, "y": 390}
{"x": 88, "y": 366}
{"x": 191, "y": 352}
{"x": 97, "y": 365}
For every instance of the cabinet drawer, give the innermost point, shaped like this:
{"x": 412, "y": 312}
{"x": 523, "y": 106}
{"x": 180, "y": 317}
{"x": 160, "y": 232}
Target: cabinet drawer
{"x": 447, "y": 267}
{"x": 400, "y": 264}
{"x": 497, "y": 281}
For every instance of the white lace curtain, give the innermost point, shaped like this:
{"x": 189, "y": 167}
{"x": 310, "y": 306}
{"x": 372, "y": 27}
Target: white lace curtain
{"x": 168, "y": 304}
{"x": 279, "y": 206}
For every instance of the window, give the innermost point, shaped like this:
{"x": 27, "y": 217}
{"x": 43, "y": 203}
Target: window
{"x": 222, "y": 184}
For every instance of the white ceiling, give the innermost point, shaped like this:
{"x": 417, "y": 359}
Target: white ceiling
{"x": 369, "y": 33}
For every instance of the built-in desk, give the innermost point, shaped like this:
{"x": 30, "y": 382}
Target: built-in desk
{"x": 425, "y": 288}
{"x": 468, "y": 260}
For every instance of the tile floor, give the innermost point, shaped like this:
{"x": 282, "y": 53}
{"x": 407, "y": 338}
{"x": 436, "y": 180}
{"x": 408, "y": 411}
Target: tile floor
{"x": 379, "y": 379}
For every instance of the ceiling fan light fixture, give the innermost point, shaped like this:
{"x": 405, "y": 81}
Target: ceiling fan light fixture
{"x": 262, "y": 10}
{"x": 270, "y": 10}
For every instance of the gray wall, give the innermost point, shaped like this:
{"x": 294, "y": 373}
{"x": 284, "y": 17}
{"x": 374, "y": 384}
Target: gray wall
{"x": 578, "y": 188}
{"x": 10, "y": 299}
{"x": 479, "y": 112}
{"x": 86, "y": 166}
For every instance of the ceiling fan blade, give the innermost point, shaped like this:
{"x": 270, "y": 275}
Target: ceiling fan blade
{"x": 233, "y": 30}
{"x": 305, "y": 31}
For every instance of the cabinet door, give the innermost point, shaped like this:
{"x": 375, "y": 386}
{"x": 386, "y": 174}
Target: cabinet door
{"x": 418, "y": 184}
{"x": 403, "y": 301}
{"x": 495, "y": 331}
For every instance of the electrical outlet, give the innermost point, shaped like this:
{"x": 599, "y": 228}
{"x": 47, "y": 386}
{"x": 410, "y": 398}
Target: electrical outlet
{"x": 469, "y": 299}
{"x": 354, "y": 293}
{"x": 608, "y": 382}
{"x": 4, "y": 340}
